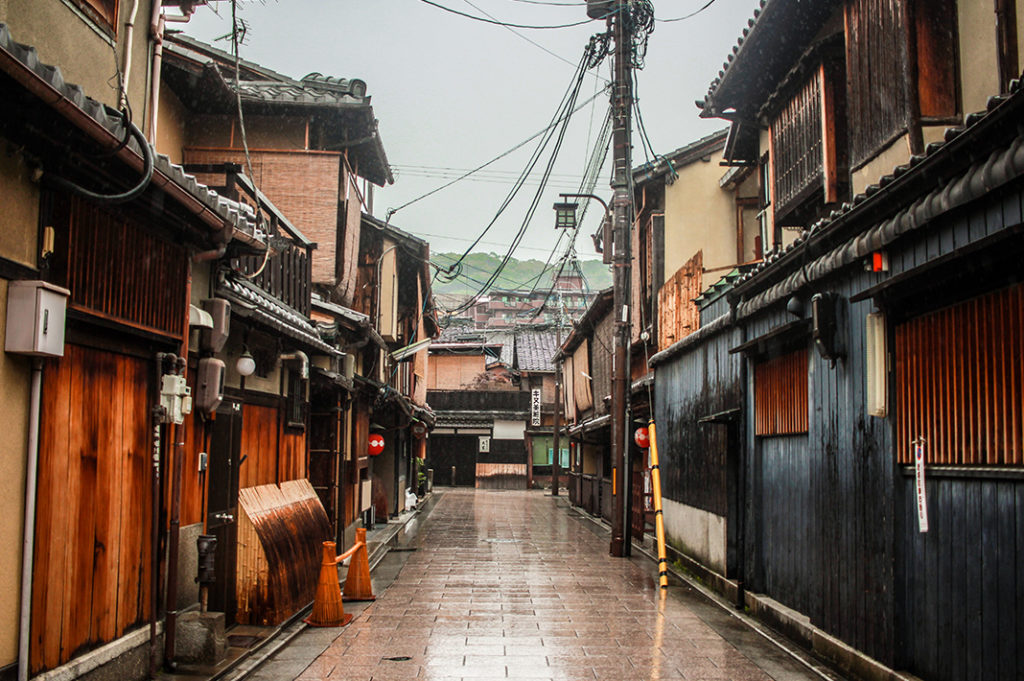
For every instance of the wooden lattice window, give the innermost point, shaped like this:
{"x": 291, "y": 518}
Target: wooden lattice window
{"x": 117, "y": 270}
{"x": 780, "y": 394}
{"x": 796, "y": 138}
{"x": 959, "y": 373}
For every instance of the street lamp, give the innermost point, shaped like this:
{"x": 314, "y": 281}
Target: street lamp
{"x": 565, "y": 215}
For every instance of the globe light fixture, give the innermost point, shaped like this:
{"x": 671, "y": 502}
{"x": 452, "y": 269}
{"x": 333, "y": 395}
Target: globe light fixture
{"x": 246, "y": 365}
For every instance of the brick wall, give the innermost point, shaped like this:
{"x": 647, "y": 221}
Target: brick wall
{"x": 304, "y": 185}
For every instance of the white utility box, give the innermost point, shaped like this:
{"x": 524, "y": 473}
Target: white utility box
{"x": 36, "y": 312}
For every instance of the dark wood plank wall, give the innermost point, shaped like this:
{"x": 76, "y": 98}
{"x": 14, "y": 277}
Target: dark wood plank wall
{"x": 92, "y": 574}
{"x": 293, "y": 455}
{"x": 820, "y": 522}
{"x": 877, "y": 103}
{"x": 963, "y": 581}
{"x": 446, "y": 451}
{"x": 700, "y": 382}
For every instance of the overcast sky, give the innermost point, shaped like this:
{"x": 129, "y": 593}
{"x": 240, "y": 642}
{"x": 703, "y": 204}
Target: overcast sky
{"x": 452, "y": 93}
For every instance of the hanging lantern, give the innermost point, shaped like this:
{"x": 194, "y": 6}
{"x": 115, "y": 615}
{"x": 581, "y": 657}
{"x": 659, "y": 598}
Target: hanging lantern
{"x": 642, "y": 438}
{"x": 418, "y": 429}
{"x": 376, "y": 444}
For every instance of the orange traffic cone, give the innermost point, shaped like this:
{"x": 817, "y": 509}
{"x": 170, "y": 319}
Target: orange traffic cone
{"x": 357, "y": 584}
{"x": 327, "y": 608}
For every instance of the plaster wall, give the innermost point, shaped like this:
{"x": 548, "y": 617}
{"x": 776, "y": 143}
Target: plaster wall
{"x": 83, "y": 49}
{"x": 699, "y": 215}
{"x": 979, "y": 71}
{"x": 14, "y": 393}
{"x": 19, "y": 219}
{"x": 170, "y": 128}
{"x": 699, "y": 534}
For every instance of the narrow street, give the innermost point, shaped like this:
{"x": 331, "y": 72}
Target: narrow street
{"x": 515, "y": 585}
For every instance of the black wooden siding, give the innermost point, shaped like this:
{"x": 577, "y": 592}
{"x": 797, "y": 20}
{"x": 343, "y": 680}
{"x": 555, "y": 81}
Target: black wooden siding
{"x": 698, "y": 383}
{"x": 964, "y": 578}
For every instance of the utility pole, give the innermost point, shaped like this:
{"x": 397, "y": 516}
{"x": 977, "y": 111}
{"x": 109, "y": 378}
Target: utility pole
{"x": 622, "y": 220}
{"x": 556, "y": 469}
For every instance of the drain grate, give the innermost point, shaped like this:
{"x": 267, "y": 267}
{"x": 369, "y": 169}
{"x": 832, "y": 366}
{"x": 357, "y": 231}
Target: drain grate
{"x": 396, "y": 658}
{"x": 497, "y": 540}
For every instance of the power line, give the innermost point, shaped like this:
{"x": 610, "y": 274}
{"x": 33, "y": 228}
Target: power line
{"x": 392, "y": 211}
{"x": 502, "y": 23}
{"x": 691, "y": 14}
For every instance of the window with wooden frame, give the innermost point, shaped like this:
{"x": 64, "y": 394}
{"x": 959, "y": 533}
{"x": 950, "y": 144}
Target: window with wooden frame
{"x": 959, "y": 374}
{"x": 780, "y": 394}
{"x": 102, "y": 11}
{"x": 805, "y": 148}
{"x": 890, "y": 47}
{"x": 116, "y": 268}
{"x": 295, "y": 401}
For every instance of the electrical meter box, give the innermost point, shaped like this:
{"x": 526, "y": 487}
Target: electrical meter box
{"x": 36, "y": 312}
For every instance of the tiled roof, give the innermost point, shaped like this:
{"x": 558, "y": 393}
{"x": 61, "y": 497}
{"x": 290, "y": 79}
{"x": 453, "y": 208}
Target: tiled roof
{"x": 535, "y": 350}
{"x": 269, "y": 312}
{"x": 193, "y": 65}
{"x": 903, "y": 206}
{"x": 772, "y": 41}
{"x": 239, "y": 216}
{"x": 681, "y": 156}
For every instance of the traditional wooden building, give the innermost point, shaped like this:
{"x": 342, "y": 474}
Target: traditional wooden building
{"x": 881, "y": 330}
{"x": 91, "y": 209}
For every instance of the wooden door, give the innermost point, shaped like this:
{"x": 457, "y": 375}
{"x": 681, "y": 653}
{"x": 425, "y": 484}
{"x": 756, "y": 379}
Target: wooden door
{"x": 222, "y": 503}
{"x": 93, "y": 563}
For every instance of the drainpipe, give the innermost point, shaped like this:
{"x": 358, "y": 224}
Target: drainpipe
{"x": 157, "y": 415}
{"x": 173, "y": 539}
{"x": 300, "y": 356}
{"x": 129, "y": 32}
{"x": 28, "y": 542}
{"x": 156, "y": 33}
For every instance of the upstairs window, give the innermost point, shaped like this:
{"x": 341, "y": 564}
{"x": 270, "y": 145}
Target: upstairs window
{"x": 807, "y": 151}
{"x": 888, "y": 45}
{"x": 103, "y": 12}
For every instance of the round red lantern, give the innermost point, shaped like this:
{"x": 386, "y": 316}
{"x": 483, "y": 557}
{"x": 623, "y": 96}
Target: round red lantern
{"x": 642, "y": 438}
{"x": 376, "y": 444}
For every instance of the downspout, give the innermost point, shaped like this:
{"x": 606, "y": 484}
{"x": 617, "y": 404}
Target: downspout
{"x": 156, "y": 33}
{"x": 300, "y": 356}
{"x": 129, "y": 32}
{"x": 28, "y": 541}
{"x": 157, "y": 415}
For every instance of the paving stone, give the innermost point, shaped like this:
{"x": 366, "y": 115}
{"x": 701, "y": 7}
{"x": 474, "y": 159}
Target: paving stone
{"x": 507, "y": 585}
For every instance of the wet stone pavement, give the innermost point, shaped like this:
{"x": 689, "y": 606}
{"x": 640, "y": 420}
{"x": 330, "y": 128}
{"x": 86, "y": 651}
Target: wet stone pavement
{"x": 513, "y": 585}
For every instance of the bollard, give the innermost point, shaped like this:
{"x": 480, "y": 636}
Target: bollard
{"x": 453, "y": 476}
{"x": 430, "y": 479}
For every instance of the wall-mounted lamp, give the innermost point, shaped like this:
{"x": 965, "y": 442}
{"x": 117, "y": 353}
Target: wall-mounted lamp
{"x": 795, "y": 306}
{"x": 565, "y": 215}
{"x": 245, "y": 365}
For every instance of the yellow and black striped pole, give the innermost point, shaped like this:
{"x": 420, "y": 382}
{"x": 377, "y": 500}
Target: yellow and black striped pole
{"x": 659, "y": 521}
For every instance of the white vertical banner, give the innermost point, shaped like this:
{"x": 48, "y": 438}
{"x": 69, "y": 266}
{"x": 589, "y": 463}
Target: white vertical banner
{"x": 922, "y": 498}
{"x": 535, "y": 407}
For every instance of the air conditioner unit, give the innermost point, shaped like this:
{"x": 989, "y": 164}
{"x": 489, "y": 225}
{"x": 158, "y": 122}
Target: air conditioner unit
{"x": 209, "y": 384}
{"x": 213, "y": 339}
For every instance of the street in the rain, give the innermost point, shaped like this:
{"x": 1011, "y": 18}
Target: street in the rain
{"x": 511, "y": 584}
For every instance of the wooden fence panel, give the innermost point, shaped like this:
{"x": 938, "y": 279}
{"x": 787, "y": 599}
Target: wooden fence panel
{"x": 678, "y": 315}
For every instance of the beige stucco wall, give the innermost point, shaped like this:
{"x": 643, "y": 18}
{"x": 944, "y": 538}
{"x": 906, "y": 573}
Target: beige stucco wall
{"x": 979, "y": 70}
{"x": 14, "y": 390}
{"x": 84, "y": 53}
{"x": 170, "y": 128}
{"x": 19, "y": 219}
{"x": 699, "y": 215}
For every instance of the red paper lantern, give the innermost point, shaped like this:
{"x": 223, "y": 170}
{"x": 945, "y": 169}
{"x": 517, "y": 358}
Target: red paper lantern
{"x": 642, "y": 438}
{"x": 376, "y": 444}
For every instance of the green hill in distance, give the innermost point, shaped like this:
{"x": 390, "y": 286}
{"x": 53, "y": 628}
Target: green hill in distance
{"x": 518, "y": 274}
